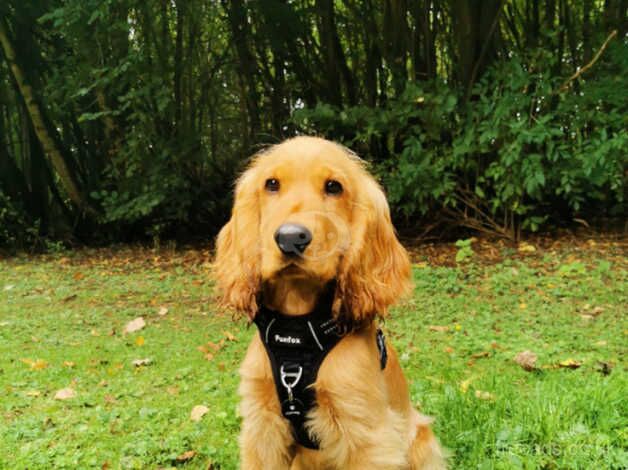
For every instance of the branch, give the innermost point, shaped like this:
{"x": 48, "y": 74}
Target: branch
{"x": 590, "y": 64}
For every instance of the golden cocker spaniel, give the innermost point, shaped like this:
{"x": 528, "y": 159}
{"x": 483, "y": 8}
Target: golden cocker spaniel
{"x": 310, "y": 235}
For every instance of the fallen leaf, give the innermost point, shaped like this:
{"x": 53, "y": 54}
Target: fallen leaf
{"x": 229, "y": 336}
{"x": 523, "y": 306}
{"x": 216, "y": 347}
{"x": 482, "y": 395}
{"x": 527, "y": 360}
{"x": 68, "y": 364}
{"x": 8, "y": 287}
{"x": 65, "y": 394}
{"x": 33, "y": 393}
{"x": 37, "y": 364}
{"x": 141, "y": 362}
{"x": 198, "y": 412}
{"x": 438, "y": 328}
{"x": 464, "y": 385}
{"x": 478, "y": 355}
{"x": 209, "y": 356}
{"x": 109, "y": 398}
{"x": 69, "y": 298}
{"x": 135, "y": 325}
{"x": 78, "y": 276}
{"x": 526, "y": 248}
{"x": 139, "y": 341}
{"x": 449, "y": 350}
{"x": 172, "y": 390}
{"x": 570, "y": 364}
{"x": 185, "y": 456}
{"x": 162, "y": 311}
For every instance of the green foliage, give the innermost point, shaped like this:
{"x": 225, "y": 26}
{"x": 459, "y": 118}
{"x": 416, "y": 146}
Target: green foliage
{"x": 16, "y": 232}
{"x": 520, "y": 151}
{"x": 465, "y": 250}
{"x": 153, "y": 107}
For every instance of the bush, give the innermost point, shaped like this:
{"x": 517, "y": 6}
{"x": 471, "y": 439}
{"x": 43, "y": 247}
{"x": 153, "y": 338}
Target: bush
{"x": 15, "y": 230}
{"x": 521, "y": 152}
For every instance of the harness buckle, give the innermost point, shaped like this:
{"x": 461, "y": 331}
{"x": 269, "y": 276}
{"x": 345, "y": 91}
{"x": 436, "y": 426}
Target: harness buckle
{"x": 294, "y": 375}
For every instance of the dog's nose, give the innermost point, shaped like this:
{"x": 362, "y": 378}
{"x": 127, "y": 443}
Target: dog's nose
{"x": 292, "y": 239}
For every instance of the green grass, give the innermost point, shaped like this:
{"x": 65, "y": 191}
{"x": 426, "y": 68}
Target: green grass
{"x": 62, "y": 319}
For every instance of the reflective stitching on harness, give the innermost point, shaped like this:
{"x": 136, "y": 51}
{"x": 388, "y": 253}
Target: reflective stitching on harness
{"x": 315, "y": 337}
{"x": 268, "y": 329}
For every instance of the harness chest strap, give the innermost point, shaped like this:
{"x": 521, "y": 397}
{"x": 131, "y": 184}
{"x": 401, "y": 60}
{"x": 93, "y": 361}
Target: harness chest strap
{"x": 296, "y": 347}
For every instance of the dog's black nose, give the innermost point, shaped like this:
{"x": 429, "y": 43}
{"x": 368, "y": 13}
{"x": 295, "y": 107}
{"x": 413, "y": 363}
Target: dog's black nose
{"x": 292, "y": 239}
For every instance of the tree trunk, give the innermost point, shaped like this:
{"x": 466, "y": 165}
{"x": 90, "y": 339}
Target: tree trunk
{"x": 396, "y": 39}
{"x": 44, "y": 134}
{"x": 335, "y": 61}
{"x": 237, "y": 15}
{"x": 178, "y": 67}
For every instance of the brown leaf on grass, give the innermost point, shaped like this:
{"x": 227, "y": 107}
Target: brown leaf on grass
{"x": 141, "y": 362}
{"x": 198, "y": 412}
{"x": 570, "y": 364}
{"x": 185, "y": 456}
{"x": 65, "y": 394}
{"x": 229, "y": 336}
{"x": 438, "y": 328}
{"x": 209, "y": 356}
{"x": 527, "y": 360}
{"x": 110, "y": 398}
{"x": 526, "y": 248}
{"x": 162, "y": 311}
{"x": 216, "y": 347}
{"x": 69, "y": 298}
{"x": 69, "y": 364}
{"x": 78, "y": 276}
{"x": 37, "y": 364}
{"x": 478, "y": 355}
{"x": 135, "y": 325}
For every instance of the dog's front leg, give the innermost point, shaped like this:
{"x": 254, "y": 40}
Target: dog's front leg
{"x": 266, "y": 441}
{"x": 356, "y": 426}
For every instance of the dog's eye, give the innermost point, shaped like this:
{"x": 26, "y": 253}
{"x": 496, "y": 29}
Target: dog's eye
{"x": 333, "y": 187}
{"x": 272, "y": 185}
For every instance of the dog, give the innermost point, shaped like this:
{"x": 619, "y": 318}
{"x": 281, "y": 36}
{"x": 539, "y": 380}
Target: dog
{"x": 310, "y": 237}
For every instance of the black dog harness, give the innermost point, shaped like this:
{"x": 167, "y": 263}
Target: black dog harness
{"x": 296, "y": 347}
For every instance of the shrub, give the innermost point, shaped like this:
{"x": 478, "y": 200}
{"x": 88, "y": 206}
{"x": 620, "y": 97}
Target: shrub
{"x": 523, "y": 150}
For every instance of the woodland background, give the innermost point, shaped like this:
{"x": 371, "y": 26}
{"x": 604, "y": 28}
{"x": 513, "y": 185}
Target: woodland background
{"x": 127, "y": 120}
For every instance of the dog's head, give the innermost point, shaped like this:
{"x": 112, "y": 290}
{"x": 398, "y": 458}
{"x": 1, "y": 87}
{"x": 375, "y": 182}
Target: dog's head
{"x": 307, "y": 211}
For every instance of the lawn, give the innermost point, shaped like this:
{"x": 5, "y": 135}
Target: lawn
{"x": 71, "y": 395}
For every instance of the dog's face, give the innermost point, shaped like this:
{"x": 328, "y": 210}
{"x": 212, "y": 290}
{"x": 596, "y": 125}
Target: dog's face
{"x": 307, "y": 211}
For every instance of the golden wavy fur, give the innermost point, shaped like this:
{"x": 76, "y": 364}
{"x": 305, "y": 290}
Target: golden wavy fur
{"x": 363, "y": 418}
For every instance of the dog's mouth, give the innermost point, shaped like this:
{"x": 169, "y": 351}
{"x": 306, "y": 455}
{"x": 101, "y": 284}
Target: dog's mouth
{"x": 292, "y": 270}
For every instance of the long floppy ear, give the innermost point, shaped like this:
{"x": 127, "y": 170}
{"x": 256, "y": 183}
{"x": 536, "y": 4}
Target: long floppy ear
{"x": 375, "y": 270}
{"x": 238, "y": 250}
